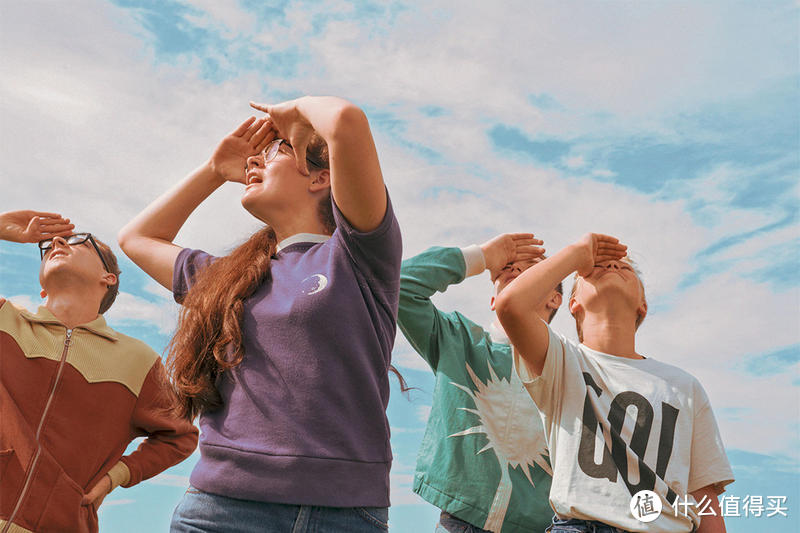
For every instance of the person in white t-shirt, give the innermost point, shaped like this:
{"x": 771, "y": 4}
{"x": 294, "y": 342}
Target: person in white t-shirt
{"x": 617, "y": 423}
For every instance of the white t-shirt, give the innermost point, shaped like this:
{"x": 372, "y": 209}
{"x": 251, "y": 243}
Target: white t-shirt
{"x": 616, "y": 426}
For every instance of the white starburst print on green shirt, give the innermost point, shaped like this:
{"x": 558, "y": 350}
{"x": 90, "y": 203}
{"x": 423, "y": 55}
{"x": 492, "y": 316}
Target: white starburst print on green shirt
{"x": 521, "y": 445}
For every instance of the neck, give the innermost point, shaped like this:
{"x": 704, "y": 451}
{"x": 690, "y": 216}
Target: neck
{"x": 607, "y": 335}
{"x": 73, "y": 307}
{"x": 297, "y": 223}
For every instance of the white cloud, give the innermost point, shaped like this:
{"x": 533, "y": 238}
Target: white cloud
{"x": 26, "y": 301}
{"x": 112, "y": 503}
{"x": 574, "y": 162}
{"x": 170, "y": 480}
{"x": 130, "y": 308}
{"x": 423, "y": 413}
{"x": 603, "y": 173}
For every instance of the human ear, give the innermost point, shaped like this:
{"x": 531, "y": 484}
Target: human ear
{"x": 555, "y": 300}
{"x": 573, "y": 306}
{"x": 320, "y": 180}
{"x": 641, "y": 311}
{"x": 109, "y": 279}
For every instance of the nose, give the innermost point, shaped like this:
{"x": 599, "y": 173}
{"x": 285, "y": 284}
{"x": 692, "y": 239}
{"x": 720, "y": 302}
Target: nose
{"x": 614, "y": 265}
{"x": 255, "y": 161}
{"x": 60, "y": 241}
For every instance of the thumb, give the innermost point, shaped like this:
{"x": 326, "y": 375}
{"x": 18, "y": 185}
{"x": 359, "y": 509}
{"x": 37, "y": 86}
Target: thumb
{"x": 300, "y": 157}
{"x": 33, "y": 225}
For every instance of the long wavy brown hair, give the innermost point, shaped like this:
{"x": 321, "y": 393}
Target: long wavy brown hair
{"x": 208, "y": 339}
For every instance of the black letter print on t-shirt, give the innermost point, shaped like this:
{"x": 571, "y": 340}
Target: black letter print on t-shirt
{"x": 616, "y": 459}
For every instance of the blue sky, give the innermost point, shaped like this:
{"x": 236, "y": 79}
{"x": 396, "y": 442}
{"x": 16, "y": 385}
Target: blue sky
{"x": 673, "y": 125}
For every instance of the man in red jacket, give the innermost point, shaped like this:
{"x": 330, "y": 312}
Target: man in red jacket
{"x": 74, "y": 392}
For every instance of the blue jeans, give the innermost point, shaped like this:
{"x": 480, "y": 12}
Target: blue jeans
{"x": 576, "y": 525}
{"x": 200, "y": 511}
{"x": 450, "y": 524}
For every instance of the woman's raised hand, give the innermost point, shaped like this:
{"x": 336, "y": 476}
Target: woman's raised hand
{"x": 291, "y": 125}
{"x": 33, "y": 226}
{"x": 229, "y": 160}
{"x": 596, "y": 248}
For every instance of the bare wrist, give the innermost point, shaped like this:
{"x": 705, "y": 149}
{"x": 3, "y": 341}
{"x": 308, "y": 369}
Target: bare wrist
{"x": 213, "y": 177}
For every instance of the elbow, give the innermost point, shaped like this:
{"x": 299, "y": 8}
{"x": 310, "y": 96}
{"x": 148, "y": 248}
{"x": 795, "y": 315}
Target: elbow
{"x": 506, "y": 306}
{"x": 124, "y": 238}
{"x": 349, "y": 120}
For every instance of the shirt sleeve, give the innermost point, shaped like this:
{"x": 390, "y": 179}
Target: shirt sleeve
{"x": 377, "y": 253}
{"x": 169, "y": 440}
{"x": 431, "y": 332}
{"x": 709, "y": 464}
{"x": 188, "y": 263}
{"x": 545, "y": 390}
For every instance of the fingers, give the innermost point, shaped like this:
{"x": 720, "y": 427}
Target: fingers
{"x": 260, "y": 107}
{"x": 529, "y": 252}
{"x": 300, "y": 155}
{"x": 261, "y": 134}
{"x": 55, "y": 231}
{"x": 253, "y": 129}
{"x": 92, "y": 495}
{"x": 270, "y": 136}
{"x": 44, "y": 215}
{"x": 98, "y": 492}
{"x": 243, "y": 127}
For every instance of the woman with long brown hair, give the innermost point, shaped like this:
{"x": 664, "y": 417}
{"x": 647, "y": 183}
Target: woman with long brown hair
{"x": 283, "y": 346}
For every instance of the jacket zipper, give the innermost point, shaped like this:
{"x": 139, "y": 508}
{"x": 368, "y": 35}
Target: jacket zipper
{"x": 32, "y": 469}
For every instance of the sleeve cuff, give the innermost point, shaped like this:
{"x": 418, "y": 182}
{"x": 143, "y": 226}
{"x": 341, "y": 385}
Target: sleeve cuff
{"x": 474, "y": 260}
{"x": 119, "y": 474}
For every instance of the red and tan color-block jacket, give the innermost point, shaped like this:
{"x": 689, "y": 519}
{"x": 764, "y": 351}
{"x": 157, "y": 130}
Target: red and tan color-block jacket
{"x": 70, "y": 403}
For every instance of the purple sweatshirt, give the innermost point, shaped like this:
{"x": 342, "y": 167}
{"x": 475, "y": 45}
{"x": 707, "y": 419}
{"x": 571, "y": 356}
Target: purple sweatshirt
{"x": 304, "y": 416}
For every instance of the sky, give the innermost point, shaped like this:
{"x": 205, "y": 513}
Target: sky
{"x": 672, "y": 125}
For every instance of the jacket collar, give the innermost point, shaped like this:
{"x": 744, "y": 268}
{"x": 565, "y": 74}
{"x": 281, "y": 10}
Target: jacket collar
{"x": 97, "y": 326}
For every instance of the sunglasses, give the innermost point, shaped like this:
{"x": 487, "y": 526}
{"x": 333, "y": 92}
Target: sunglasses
{"x": 273, "y": 148}
{"x": 75, "y": 238}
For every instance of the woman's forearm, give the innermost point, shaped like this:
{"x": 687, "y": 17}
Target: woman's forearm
{"x": 147, "y": 239}
{"x": 164, "y": 217}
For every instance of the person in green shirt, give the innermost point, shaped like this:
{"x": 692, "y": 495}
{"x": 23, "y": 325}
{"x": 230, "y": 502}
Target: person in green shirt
{"x": 483, "y": 459}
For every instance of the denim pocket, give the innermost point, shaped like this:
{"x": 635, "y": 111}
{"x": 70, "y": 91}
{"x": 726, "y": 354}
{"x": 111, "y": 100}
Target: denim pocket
{"x": 377, "y": 516}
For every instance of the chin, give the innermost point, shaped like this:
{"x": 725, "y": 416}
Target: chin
{"x": 252, "y": 206}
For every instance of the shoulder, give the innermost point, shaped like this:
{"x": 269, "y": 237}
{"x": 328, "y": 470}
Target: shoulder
{"x": 135, "y": 348}
{"x": 673, "y": 374}
{"x": 560, "y": 343}
{"x": 387, "y": 228}
{"x": 132, "y": 359}
{"x": 10, "y": 315}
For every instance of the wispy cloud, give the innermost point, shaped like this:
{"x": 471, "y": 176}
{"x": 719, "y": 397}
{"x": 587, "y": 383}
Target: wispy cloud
{"x": 170, "y": 480}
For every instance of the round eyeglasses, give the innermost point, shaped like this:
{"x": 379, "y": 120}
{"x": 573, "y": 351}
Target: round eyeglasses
{"x": 273, "y": 148}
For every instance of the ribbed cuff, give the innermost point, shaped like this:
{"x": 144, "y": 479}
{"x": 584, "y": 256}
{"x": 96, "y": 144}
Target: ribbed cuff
{"x": 473, "y": 257}
{"x": 119, "y": 474}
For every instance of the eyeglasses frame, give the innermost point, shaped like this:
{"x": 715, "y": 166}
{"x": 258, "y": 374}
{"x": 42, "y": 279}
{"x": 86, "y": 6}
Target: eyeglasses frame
{"x": 88, "y": 237}
{"x": 284, "y": 141}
